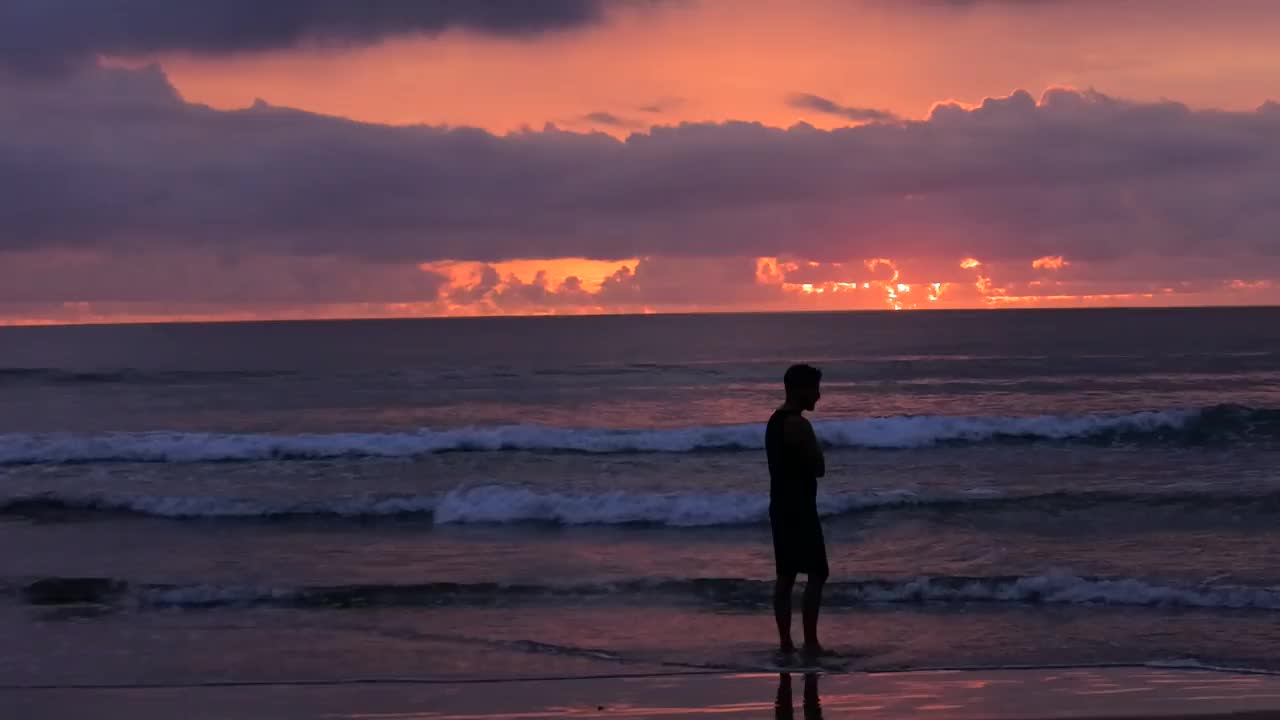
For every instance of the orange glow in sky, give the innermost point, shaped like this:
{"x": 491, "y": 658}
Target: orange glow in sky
{"x": 850, "y": 67}
{"x": 692, "y": 62}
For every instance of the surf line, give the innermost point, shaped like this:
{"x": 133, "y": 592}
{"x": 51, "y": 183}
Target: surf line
{"x": 333, "y": 682}
{"x": 724, "y": 672}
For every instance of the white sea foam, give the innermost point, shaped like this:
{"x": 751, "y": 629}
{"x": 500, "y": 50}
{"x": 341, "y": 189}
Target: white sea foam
{"x": 1066, "y": 588}
{"x": 1192, "y": 664}
{"x": 1058, "y": 588}
{"x": 207, "y": 595}
{"x": 504, "y": 504}
{"x": 890, "y": 432}
{"x": 926, "y": 430}
{"x": 195, "y": 507}
{"x": 497, "y": 504}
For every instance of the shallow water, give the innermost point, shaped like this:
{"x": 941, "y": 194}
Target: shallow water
{"x": 552, "y": 495}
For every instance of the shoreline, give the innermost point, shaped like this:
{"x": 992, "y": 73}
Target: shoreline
{"x": 1095, "y": 693}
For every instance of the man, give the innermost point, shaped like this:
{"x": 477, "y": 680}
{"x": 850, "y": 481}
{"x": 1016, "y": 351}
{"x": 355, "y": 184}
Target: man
{"x": 795, "y": 464}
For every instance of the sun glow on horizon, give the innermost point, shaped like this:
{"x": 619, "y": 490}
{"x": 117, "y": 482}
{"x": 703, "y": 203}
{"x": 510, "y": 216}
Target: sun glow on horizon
{"x": 590, "y": 274}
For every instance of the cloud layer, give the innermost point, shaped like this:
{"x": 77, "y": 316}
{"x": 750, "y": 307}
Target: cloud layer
{"x": 44, "y": 35}
{"x": 116, "y": 157}
{"x": 112, "y": 167}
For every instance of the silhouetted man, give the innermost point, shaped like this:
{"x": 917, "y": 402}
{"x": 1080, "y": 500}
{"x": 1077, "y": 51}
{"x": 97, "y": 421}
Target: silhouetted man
{"x": 795, "y": 464}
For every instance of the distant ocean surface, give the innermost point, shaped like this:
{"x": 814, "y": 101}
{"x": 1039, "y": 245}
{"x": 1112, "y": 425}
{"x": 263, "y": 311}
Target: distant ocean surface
{"x": 556, "y": 496}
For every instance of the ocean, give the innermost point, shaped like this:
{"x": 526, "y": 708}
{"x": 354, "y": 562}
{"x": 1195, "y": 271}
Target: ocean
{"x": 532, "y": 497}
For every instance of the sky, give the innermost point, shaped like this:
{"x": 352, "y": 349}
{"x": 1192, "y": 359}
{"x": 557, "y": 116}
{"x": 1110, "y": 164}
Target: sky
{"x": 236, "y": 160}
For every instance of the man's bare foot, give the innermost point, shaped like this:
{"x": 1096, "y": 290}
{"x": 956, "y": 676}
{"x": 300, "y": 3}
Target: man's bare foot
{"x": 816, "y": 650}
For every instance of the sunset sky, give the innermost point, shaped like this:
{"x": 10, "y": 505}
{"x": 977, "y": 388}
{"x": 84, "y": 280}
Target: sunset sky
{"x": 238, "y": 159}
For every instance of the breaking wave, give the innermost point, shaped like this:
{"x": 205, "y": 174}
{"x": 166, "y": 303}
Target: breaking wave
{"x": 1212, "y": 424}
{"x": 498, "y": 504}
{"x": 1053, "y": 588}
{"x": 129, "y": 376}
{"x": 214, "y": 508}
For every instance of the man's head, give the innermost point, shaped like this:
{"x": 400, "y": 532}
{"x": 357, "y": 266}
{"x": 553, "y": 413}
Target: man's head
{"x": 802, "y": 382}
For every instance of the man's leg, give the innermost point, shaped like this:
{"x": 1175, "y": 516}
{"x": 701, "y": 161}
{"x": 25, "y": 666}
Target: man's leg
{"x": 817, "y": 578}
{"x": 782, "y": 609}
{"x": 812, "y": 604}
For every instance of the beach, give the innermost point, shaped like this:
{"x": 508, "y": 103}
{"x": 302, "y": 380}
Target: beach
{"x": 536, "y": 359}
{"x": 492, "y": 499}
{"x": 1027, "y": 694}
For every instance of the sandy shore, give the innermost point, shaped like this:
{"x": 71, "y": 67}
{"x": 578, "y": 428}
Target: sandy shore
{"x": 1098, "y": 693}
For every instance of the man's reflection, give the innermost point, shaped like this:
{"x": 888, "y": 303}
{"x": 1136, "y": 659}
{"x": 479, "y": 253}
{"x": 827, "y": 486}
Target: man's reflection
{"x": 812, "y": 705}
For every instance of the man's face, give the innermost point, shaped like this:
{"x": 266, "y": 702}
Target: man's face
{"x": 809, "y": 396}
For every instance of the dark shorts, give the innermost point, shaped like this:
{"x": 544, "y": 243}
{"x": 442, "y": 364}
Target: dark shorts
{"x": 798, "y": 545}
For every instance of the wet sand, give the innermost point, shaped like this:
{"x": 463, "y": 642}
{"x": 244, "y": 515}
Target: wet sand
{"x": 1025, "y": 694}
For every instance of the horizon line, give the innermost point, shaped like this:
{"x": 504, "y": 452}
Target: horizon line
{"x": 566, "y": 316}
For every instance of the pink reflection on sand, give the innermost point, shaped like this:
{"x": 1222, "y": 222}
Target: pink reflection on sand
{"x": 1026, "y": 694}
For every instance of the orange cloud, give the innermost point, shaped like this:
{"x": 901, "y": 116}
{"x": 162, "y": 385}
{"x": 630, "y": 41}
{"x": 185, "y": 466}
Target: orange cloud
{"x": 1113, "y": 299}
{"x": 1049, "y": 262}
{"x": 892, "y": 289}
{"x": 969, "y": 263}
{"x": 990, "y": 292}
{"x": 590, "y": 274}
{"x": 563, "y": 286}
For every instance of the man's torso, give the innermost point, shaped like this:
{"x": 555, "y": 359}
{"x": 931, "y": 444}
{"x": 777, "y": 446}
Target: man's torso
{"x": 793, "y": 486}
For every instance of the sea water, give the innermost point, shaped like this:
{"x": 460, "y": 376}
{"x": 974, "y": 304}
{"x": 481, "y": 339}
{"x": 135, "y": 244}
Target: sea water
{"x": 567, "y": 496}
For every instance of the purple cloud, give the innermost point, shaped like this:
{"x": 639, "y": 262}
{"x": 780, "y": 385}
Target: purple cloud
{"x": 662, "y": 105}
{"x": 53, "y": 34}
{"x": 111, "y": 164}
{"x": 609, "y": 119}
{"x": 806, "y": 101}
{"x": 207, "y": 278}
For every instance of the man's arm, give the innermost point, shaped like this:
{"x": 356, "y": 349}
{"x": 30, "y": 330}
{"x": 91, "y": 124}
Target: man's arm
{"x": 799, "y": 436}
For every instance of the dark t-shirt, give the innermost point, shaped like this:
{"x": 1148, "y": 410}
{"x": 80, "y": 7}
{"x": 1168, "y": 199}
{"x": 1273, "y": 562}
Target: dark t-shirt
{"x": 793, "y": 486}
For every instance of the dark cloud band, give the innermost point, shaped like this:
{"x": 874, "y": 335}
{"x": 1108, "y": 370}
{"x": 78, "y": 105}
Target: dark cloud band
{"x": 45, "y": 35}
{"x": 114, "y": 160}
{"x": 806, "y": 101}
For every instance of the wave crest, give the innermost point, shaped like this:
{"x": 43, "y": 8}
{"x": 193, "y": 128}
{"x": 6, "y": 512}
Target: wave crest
{"x": 1218, "y": 423}
{"x": 498, "y": 504}
{"x": 1055, "y": 588}
{"x": 130, "y": 376}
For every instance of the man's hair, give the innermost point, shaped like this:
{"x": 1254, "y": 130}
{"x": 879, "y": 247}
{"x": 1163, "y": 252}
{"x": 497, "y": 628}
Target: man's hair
{"x": 801, "y": 375}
